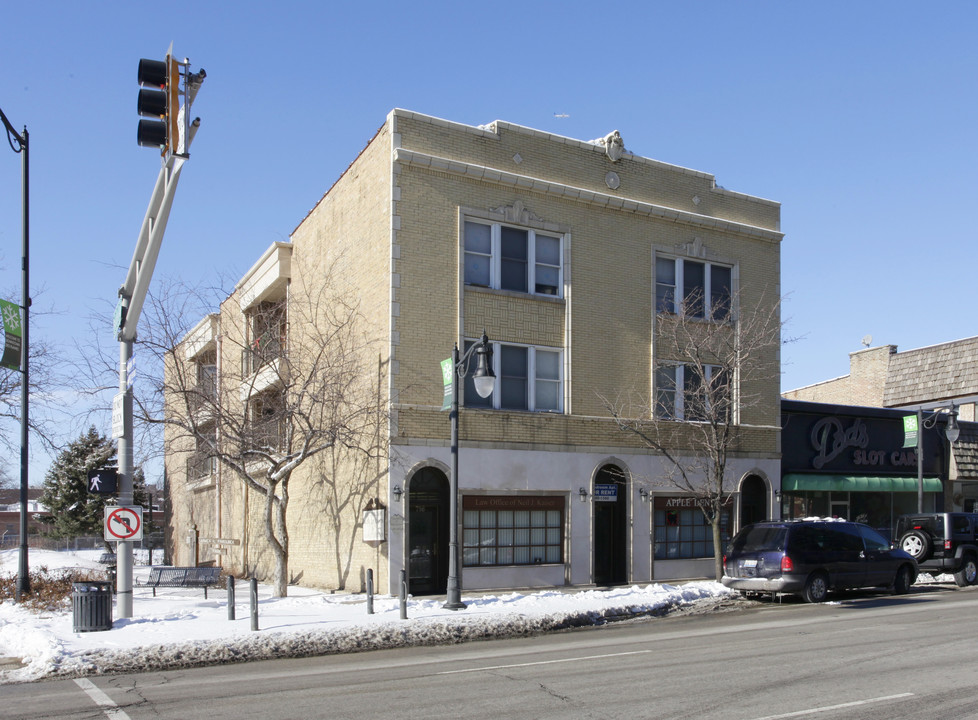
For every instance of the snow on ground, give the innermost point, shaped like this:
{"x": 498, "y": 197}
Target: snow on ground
{"x": 179, "y": 628}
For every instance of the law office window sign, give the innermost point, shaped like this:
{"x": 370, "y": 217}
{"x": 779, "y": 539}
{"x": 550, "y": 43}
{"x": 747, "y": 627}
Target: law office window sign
{"x": 512, "y": 530}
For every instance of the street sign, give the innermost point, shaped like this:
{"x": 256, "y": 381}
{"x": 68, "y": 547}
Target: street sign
{"x": 123, "y": 523}
{"x": 13, "y": 335}
{"x": 130, "y": 371}
{"x": 447, "y": 369}
{"x": 910, "y": 431}
{"x": 104, "y": 481}
{"x": 118, "y": 416}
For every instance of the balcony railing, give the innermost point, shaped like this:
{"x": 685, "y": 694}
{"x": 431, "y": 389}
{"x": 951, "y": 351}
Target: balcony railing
{"x": 203, "y": 395}
{"x": 262, "y": 352}
{"x": 268, "y": 434}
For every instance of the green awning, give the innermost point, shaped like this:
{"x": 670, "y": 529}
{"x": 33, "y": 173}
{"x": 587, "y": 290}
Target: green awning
{"x": 856, "y": 483}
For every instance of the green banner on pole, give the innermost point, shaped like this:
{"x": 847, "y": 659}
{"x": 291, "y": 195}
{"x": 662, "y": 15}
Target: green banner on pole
{"x": 13, "y": 339}
{"x": 446, "y": 376}
{"x": 910, "y": 431}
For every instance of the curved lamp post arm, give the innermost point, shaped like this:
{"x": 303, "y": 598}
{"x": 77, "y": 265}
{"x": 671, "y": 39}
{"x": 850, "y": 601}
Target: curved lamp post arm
{"x": 952, "y": 432}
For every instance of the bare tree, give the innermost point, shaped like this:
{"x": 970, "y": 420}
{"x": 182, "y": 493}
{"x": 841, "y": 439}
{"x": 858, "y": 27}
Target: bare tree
{"x": 304, "y": 388}
{"x": 711, "y": 378}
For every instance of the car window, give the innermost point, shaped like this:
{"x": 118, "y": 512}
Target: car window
{"x": 804, "y": 538}
{"x": 758, "y": 538}
{"x": 844, "y": 538}
{"x": 960, "y": 525}
{"x": 873, "y": 540}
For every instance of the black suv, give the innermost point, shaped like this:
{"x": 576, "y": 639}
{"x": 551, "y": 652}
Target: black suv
{"x": 942, "y": 542}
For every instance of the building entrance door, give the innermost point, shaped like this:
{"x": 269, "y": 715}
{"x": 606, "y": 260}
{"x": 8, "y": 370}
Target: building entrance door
{"x": 610, "y": 527}
{"x": 428, "y": 533}
{"x": 753, "y": 501}
{"x": 839, "y": 506}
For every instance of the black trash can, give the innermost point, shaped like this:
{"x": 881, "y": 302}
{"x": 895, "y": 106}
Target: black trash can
{"x": 91, "y": 605}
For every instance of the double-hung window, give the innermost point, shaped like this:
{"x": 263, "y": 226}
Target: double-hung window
{"x": 527, "y": 378}
{"x": 683, "y": 393}
{"x": 504, "y": 257}
{"x": 695, "y": 288}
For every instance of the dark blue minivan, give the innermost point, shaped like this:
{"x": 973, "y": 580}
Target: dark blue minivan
{"x": 811, "y": 557}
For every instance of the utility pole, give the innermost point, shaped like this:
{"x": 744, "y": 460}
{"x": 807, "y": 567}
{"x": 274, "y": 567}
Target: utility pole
{"x": 172, "y": 132}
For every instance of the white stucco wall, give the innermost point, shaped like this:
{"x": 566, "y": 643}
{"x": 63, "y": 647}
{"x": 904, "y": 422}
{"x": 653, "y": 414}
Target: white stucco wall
{"x": 512, "y": 472}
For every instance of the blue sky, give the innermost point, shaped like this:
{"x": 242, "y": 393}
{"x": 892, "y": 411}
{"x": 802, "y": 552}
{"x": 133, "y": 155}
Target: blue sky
{"x": 860, "y": 118}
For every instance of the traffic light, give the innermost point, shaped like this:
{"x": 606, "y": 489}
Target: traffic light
{"x": 159, "y": 99}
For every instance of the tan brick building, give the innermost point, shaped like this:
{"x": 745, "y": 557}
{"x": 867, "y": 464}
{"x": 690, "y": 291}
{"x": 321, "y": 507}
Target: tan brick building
{"x": 562, "y": 251}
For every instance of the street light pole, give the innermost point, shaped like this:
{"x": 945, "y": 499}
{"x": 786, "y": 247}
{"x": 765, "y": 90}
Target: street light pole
{"x": 484, "y": 383}
{"x": 22, "y": 146}
{"x": 951, "y": 432}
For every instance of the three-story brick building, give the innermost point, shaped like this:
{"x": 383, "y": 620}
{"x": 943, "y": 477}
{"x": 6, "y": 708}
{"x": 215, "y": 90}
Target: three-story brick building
{"x": 563, "y": 252}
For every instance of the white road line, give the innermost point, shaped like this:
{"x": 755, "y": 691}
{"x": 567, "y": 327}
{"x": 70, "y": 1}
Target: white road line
{"x": 110, "y": 709}
{"x": 831, "y": 708}
{"x": 541, "y": 662}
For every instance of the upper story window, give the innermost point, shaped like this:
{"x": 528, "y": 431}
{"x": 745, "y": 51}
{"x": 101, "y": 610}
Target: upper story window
{"x": 267, "y": 420}
{"x": 683, "y": 393}
{"x": 207, "y": 375}
{"x": 527, "y": 378}
{"x": 695, "y": 288}
{"x": 505, "y": 257}
{"x": 267, "y": 325}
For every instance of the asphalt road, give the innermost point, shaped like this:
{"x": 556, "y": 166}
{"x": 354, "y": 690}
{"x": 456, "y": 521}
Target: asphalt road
{"x": 860, "y": 656}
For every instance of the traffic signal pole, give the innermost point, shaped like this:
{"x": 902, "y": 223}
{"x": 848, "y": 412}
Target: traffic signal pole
{"x": 132, "y": 294}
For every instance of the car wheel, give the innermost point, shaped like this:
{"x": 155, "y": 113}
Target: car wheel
{"x": 917, "y": 544}
{"x": 968, "y": 572}
{"x": 903, "y": 581}
{"x": 817, "y": 588}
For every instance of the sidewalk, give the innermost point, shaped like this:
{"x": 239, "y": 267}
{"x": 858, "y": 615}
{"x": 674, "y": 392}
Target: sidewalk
{"x": 179, "y": 628}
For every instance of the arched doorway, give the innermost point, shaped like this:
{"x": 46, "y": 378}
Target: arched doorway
{"x": 753, "y": 500}
{"x": 428, "y": 532}
{"x": 610, "y": 526}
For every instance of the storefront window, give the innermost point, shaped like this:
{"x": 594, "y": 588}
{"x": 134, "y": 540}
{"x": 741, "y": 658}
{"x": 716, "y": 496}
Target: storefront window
{"x": 501, "y": 530}
{"x": 681, "y": 529}
{"x": 879, "y": 510}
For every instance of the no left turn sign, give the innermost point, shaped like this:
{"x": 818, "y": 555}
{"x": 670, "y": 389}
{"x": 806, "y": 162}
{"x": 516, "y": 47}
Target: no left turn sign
{"x": 123, "y": 523}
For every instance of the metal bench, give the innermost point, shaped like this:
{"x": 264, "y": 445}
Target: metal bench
{"x": 203, "y": 577}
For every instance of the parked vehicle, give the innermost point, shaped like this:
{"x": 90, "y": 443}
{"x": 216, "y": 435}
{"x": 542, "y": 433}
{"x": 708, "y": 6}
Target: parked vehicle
{"x": 810, "y": 558}
{"x": 942, "y": 543}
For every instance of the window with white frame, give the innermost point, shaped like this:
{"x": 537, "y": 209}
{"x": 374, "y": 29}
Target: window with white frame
{"x": 527, "y": 378}
{"x": 505, "y": 257}
{"x": 696, "y": 288}
{"x": 683, "y": 393}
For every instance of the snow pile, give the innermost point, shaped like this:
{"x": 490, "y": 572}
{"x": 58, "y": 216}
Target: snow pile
{"x": 179, "y": 628}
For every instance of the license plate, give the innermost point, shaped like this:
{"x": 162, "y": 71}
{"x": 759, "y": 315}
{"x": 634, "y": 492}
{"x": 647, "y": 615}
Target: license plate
{"x": 750, "y": 563}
